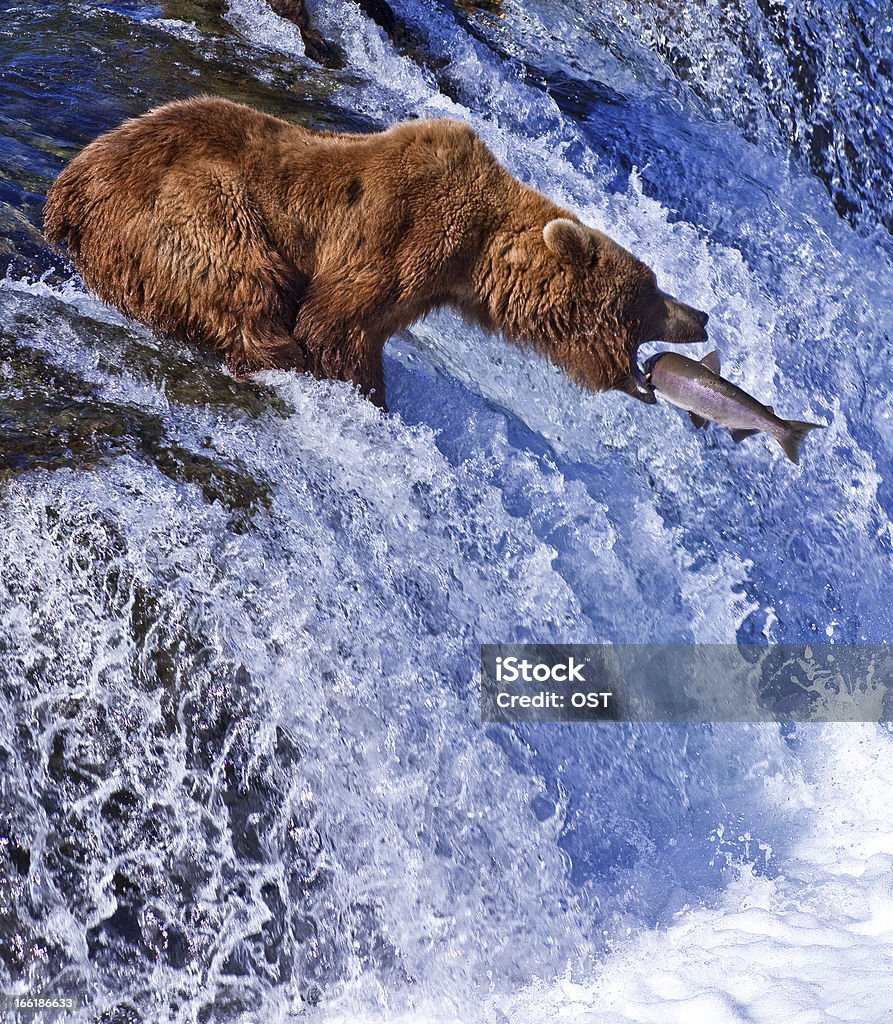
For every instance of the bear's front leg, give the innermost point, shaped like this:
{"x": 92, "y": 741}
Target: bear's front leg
{"x": 345, "y": 352}
{"x": 370, "y": 379}
{"x": 342, "y": 339}
{"x": 368, "y": 372}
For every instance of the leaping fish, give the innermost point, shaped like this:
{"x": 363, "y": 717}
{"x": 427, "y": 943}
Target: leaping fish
{"x": 698, "y": 388}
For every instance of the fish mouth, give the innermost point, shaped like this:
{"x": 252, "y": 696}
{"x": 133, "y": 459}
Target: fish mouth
{"x": 642, "y": 376}
{"x": 644, "y": 372}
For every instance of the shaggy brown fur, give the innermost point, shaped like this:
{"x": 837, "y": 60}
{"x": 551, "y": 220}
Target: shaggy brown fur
{"x": 282, "y": 247}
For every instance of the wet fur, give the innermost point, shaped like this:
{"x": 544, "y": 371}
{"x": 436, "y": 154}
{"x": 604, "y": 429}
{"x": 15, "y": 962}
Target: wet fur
{"x": 282, "y": 247}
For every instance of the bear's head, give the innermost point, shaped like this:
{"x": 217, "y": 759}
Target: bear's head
{"x": 603, "y": 303}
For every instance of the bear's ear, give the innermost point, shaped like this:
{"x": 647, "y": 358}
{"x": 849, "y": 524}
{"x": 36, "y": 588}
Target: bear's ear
{"x": 567, "y": 239}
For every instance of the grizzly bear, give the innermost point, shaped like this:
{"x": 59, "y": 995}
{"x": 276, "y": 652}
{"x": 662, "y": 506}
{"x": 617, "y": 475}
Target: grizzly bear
{"x": 283, "y": 247}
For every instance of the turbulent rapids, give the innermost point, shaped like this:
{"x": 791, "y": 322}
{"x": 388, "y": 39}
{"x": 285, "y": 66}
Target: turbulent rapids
{"x": 243, "y": 775}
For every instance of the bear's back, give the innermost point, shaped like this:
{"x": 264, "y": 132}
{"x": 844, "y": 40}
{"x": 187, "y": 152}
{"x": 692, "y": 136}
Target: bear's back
{"x": 127, "y": 166}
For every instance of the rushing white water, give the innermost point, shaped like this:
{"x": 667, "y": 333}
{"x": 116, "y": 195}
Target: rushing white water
{"x": 244, "y": 774}
{"x": 812, "y": 944}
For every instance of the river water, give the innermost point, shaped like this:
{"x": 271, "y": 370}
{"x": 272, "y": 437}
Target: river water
{"x": 244, "y": 776}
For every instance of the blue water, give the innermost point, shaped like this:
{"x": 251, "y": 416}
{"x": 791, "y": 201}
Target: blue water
{"x": 243, "y": 771}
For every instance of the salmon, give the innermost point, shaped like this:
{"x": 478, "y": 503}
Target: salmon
{"x": 698, "y": 388}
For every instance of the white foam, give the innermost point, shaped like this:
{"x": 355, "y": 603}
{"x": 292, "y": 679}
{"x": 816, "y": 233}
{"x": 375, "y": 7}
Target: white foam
{"x": 812, "y": 945}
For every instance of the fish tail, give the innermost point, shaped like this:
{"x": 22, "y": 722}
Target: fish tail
{"x": 792, "y": 436}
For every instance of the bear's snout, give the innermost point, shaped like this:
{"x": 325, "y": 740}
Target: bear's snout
{"x": 683, "y": 325}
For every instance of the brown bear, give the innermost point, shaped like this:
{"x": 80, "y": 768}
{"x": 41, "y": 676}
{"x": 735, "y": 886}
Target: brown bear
{"x": 283, "y": 247}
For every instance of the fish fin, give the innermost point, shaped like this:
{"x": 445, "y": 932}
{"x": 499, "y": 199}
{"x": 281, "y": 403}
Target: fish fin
{"x": 698, "y": 421}
{"x": 739, "y": 435}
{"x": 711, "y": 361}
{"x": 792, "y": 438}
